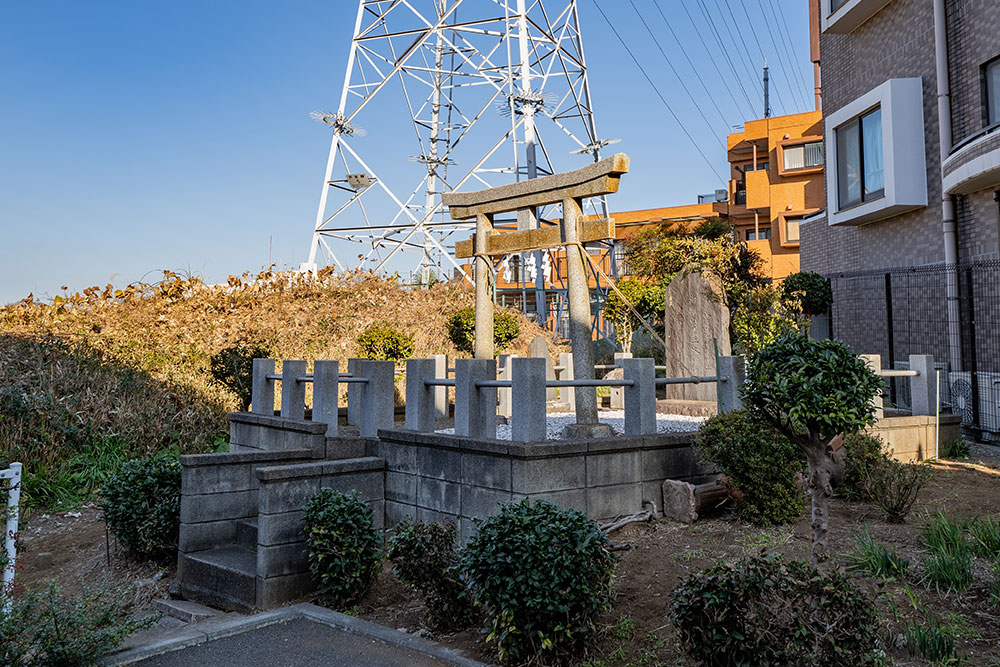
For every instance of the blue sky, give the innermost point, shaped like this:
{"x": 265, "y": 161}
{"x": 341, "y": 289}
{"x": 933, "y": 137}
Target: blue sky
{"x": 139, "y": 136}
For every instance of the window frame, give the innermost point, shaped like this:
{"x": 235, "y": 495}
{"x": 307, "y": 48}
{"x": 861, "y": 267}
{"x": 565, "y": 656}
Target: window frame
{"x": 989, "y": 122}
{"x": 864, "y": 197}
{"x": 793, "y": 143}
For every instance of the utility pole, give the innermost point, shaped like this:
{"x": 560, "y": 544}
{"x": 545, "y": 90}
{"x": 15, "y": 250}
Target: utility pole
{"x": 767, "y": 94}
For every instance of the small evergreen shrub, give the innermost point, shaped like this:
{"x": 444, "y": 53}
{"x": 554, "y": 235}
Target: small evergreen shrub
{"x": 955, "y": 450}
{"x": 811, "y": 290}
{"x": 862, "y": 454}
{"x": 894, "y": 486}
{"x": 45, "y": 628}
{"x": 343, "y": 545}
{"x": 543, "y": 575}
{"x": 384, "y": 342}
{"x": 141, "y": 504}
{"x": 768, "y": 611}
{"x": 424, "y": 557}
{"x": 232, "y": 367}
{"x": 462, "y": 329}
{"x": 759, "y": 461}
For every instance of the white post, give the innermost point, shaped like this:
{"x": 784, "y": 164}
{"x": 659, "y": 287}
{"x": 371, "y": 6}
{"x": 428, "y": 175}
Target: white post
{"x": 567, "y": 395}
{"x": 874, "y": 362}
{"x": 13, "y": 473}
{"x": 441, "y": 393}
{"x": 618, "y": 393}
{"x": 921, "y": 389}
{"x": 506, "y": 402}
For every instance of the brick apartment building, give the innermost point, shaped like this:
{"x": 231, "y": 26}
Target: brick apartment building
{"x": 911, "y": 230}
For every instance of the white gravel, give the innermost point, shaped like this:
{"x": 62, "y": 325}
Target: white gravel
{"x": 613, "y": 418}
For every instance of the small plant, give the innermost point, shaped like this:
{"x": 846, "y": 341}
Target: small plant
{"x": 949, "y": 567}
{"x": 141, "y": 505}
{"x": 543, "y": 574}
{"x": 46, "y": 628}
{"x": 955, "y": 450}
{"x": 759, "y": 610}
{"x": 811, "y": 290}
{"x": 985, "y": 534}
{"x": 641, "y": 300}
{"x": 862, "y": 454}
{"x": 757, "y": 460}
{"x": 462, "y": 329}
{"x": 385, "y": 342}
{"x": 343, "y": 545}
{"x": 934, "y": 642}
{"x": 876, "y": 559}
{"x": 894, "y": 486}
{"x": 424, "y": 557}
{"x": 232, "y": 367}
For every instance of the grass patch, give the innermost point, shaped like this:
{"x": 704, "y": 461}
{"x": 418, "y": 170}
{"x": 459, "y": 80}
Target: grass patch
{"x": 874, "y": 558}
{"x": 985, "y": 534}
{"x": 949, "y": 566}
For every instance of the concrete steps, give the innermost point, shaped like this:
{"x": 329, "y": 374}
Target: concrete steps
{"x": 246, "y": 534}
{"x": 224, "y": 578}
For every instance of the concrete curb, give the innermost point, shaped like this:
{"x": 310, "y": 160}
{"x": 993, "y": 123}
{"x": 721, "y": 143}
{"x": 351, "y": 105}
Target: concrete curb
{"x": 211, "y": 629}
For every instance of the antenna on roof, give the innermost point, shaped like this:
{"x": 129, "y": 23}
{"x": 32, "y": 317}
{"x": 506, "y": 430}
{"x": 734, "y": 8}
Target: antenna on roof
{"x": 767, "y": 94}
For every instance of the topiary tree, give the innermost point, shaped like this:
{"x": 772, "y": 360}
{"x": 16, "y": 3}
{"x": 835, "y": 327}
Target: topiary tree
{"x": 646, "y": 299}
{"x": 141, "y": 504}
{"x": 811, "y": 290}
{"x": 462, "y": 329}
{"x": 812, "y": 391}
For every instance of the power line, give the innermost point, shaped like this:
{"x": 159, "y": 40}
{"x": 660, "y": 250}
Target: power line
{"x": 753, "y": 31}
{"x": 659, "y": 94}
{"x": 753, "y": 75}
{"x": 722, "y": 46}
{"x": 785, "y": 43}
{"x": 677, "y": 74}
{"x": 755, "y": 72}
{"x": 683, "y": 50}
{"x": 778, "y": 42}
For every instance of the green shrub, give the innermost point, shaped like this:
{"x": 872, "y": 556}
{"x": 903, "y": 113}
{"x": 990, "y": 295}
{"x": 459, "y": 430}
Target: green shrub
{"x": 44, "y": 628}
{"x": 462, "y": 329}
{"x": 876, "y": 559}
{"x": 424, "y": 557}
{"x": 646, "y": 299}
{"x": 760, "y": 317}
{"x": 757, "y": 460}
{"x": 232, "y": 367}
{"x": 862, "y": 454}
{"x": 767, "y": 611}
{"x": 141, "y": 505}
{"x": 985, "y": 534}
{"x": 385, "y": 342}
{"x": 543, "y": 574}
{"x": 344, "y": 546}
{"x": 955, "y": 450}
{"x": 810, "y": 290}
{"x": 894, "y": 486}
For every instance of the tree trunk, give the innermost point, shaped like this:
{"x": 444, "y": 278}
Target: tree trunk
{"x": 625, "y": 334}
{"x": 819, "y": 456}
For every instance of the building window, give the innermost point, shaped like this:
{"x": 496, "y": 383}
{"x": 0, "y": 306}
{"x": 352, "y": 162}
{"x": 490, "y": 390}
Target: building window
{"x": 836, "y": 4}
{"x": 860, "y": 177}
{"x": 792, "y": 228}
{"x": 761, "y": 166}
{"x": 763, "y": 234}
{"x": 992, "y": 72}
{"x": 803, "y": 156}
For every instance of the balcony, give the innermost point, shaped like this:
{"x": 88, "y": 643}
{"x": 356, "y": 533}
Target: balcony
{"x": 758, "y": 189}
{"x": 975, "y": 164}
{"x": 844, "y": 16}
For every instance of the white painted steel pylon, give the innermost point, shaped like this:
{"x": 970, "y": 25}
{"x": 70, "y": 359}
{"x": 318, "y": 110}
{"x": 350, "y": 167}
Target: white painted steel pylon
{"x": 488, "y": 92}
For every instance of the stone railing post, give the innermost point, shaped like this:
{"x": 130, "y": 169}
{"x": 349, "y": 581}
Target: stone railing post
{"x": 420, "y": 398}
{"x": 732, "y": 372}
{"x": 504, "y": 393}
{"x": 567, "y": 395}
{"x": 618, "y": 393}
{"x": 441, "y": 393}
{"x": 529, "y": 422}
{"x": 262, "y": 388}
{"x": 377, "y": 396}
{"x": 539, "y": 347}
{"x": 874, "y": 362}
{"x": 640, "y": 398}
{"x": 354, "y": 391}
{"x": 475, "y": 408}
{"x": 293, "y": 392}
{"x": 326, "y": 386}
{"x": 923, "y": 387}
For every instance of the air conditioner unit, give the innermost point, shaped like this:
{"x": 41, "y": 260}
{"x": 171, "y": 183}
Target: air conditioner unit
{"x": 721, "y": 195}
{"x": 960, "y": 388}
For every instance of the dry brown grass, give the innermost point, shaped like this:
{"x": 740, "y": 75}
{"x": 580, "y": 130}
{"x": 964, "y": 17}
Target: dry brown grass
{"x": 132, "y": 365}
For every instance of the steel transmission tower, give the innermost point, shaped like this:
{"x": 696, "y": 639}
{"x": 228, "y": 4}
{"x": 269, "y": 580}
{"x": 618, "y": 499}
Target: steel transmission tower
{"x": 444, "y": 95}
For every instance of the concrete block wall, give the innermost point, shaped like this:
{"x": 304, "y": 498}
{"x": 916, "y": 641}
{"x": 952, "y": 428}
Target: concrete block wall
{"x": 282, "y": 562}
{"x": 219, "y": 490}
{"x": 255, "y": 432}
{"x": 435, "y": 477}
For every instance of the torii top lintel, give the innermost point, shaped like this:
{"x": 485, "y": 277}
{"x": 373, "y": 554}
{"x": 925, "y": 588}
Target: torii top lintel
{"x": 600, "y": 178}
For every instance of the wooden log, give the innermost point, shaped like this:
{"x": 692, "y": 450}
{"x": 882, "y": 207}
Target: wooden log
{"x": 684, "y": 502}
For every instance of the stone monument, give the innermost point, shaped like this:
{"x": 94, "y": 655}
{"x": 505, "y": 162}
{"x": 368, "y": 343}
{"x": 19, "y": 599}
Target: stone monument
{"x": 695, "y": 319}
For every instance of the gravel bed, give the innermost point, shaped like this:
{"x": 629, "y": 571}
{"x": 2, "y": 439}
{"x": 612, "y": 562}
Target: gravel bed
{"x": 557, "y": 421}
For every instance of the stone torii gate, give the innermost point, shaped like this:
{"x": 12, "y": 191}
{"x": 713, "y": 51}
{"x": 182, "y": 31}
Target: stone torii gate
{"x": 568, "y": 189}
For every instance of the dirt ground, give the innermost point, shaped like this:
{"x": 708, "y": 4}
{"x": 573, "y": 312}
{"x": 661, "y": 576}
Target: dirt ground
{"x": 655, "y": 558}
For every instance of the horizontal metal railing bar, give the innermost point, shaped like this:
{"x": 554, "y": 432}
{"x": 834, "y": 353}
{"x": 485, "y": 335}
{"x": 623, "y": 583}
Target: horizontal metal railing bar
{"x": 352, "y": 380}
{"x": 439, "y": 382}
{"x": 689, "y": 380}
{"x": 898, "y": 374}
{"x": 590, "y": 383}
{"x": 493, "y": 383}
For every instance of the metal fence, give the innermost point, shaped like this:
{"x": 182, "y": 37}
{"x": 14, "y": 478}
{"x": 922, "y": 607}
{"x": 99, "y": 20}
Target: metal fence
{"x": 904, "y": 311}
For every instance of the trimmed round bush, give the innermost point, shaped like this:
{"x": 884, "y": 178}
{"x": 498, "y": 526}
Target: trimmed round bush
{"x": 543, "y": 574}
{"x": 811, "y": 290}
{"x": 384, "y": 342}
{"x": 232, "y": 367}
{"x": 756, "y": 459}
{"x": 462, "y": 329}
{"x": 768, "y": 611}
{"x": 141, "y": 504}
{"x": 424, "y": 557}
{"x": 343, "y": 545}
